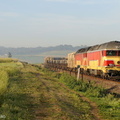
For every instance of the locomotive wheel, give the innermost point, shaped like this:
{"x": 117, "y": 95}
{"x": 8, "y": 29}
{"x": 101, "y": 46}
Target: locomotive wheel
{"x": 105, "y": 75}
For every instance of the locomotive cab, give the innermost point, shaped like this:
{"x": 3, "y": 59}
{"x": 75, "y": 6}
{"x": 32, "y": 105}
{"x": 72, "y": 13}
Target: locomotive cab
{"x": 111, "y": 59}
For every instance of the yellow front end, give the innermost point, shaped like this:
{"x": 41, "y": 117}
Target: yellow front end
{"x": 110, "y": 64}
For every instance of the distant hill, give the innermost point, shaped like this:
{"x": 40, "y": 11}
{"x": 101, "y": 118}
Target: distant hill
{"x": 60, "y": 49}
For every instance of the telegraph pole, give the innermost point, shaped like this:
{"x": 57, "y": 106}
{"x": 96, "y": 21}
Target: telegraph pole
{"x": 78, "y": 74}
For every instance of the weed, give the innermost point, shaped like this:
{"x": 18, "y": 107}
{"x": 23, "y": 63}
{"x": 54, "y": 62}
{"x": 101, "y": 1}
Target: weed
{"x": 108, "y": 104}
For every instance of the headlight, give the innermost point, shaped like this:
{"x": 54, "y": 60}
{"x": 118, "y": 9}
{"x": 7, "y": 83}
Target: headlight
{"x": 118, "y": 62}
{"x": 111, "y": 65}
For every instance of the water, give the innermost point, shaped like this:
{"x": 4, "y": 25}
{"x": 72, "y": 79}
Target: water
{"x": 30, "y": 58}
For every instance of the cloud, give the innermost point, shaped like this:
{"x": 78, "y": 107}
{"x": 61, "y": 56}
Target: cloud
{"x": 8, "y": 14}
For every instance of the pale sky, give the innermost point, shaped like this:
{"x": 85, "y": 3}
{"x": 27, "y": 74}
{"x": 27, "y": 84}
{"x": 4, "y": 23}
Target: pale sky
{"x": 33, "y": 23}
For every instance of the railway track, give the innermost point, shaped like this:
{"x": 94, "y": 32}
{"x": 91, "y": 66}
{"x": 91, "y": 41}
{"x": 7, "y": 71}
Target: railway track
{"x": 111, "y": 86}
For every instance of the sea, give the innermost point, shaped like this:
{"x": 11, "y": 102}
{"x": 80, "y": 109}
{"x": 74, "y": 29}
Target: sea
{"x": 33, "y": 59}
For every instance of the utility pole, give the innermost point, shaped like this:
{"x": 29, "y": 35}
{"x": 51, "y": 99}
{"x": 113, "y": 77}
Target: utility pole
{"x": 78, "y": 74}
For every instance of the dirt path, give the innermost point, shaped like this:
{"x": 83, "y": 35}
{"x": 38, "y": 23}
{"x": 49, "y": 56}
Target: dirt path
{"x": 94, "y": 109}
{"x": 54, "y": 101}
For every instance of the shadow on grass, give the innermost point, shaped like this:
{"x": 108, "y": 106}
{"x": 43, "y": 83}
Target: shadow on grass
{"x": 108, "y": 91}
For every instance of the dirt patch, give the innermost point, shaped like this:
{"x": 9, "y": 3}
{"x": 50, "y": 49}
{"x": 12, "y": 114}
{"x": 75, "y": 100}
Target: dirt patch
{"x": 55, "y": 101}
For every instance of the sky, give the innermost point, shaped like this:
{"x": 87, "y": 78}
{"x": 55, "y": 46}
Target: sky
{"x": 34, "y": 23}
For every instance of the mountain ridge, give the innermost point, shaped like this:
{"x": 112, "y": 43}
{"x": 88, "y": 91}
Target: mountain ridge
{"x": 37, "y": 50}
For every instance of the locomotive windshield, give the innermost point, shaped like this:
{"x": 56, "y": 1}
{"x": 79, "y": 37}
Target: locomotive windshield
{"x": 112, "y": 53}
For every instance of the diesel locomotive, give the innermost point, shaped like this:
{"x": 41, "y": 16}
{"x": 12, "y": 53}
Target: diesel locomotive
{"x": 100, "y": 60}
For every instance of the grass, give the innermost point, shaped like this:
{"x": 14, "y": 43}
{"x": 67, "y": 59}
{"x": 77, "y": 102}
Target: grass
{"x": 29, "y": 92}
{"x": 3, "y": 81}
{"x": 108, "y": 104}
{"x": 15, "y": 101}
{"x": 63, "y": 104}
{"x": 7, "y": 60}
{"x": 9, "y": 74}
{"x": 8, "y": 67}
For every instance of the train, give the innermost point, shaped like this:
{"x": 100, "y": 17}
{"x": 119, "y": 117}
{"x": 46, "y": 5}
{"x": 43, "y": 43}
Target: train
{"x": 100, "y": 60}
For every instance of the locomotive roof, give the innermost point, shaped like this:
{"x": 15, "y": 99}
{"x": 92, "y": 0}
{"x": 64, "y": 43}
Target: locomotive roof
{"x": 82, "y": 50}
{"x": 113, "y": 45}
{"x": 96, "y": 47}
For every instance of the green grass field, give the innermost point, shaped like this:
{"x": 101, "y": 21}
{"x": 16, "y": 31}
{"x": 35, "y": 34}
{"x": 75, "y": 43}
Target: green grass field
{"x": 108, "y": 104}
{"x": 29, "y": 92}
